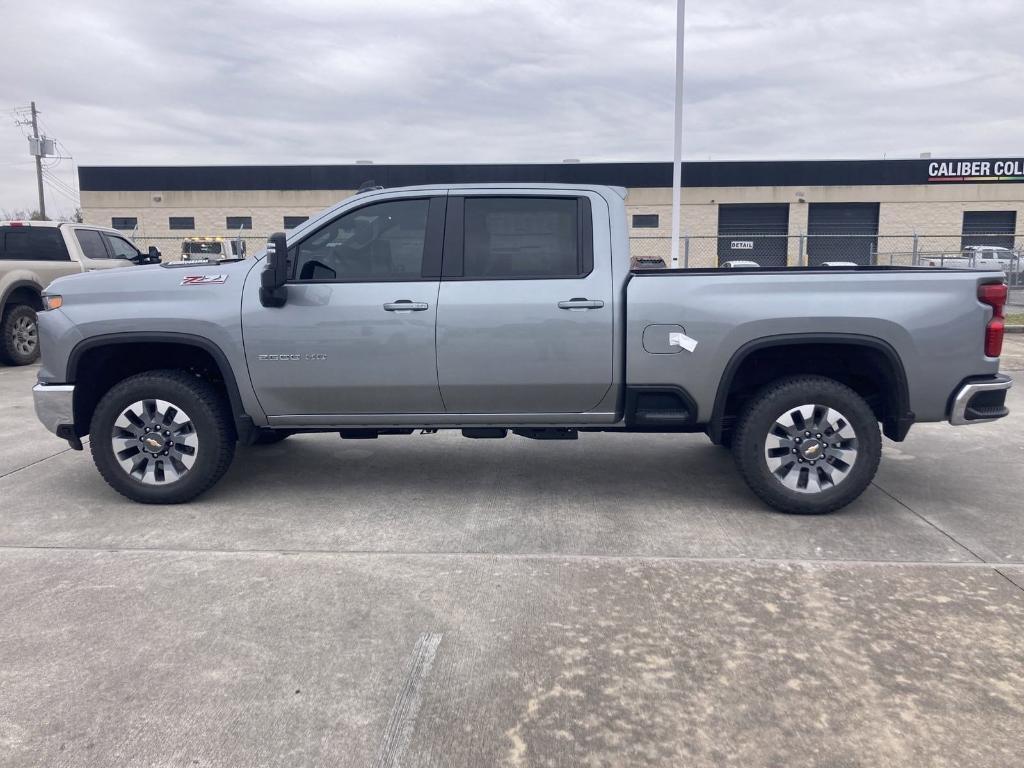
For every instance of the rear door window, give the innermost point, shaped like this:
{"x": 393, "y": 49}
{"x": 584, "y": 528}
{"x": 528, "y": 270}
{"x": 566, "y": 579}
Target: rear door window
{"x": 91, "y": 243}
{"x": 32, "y": 244}
{"x": 522, "y": 237}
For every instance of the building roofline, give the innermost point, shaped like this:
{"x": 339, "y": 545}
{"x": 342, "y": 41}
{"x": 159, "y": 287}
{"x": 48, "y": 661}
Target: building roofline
{"x": 740, "y": 173}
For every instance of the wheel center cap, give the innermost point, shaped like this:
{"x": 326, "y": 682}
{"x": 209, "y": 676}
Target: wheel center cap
{"x": 153, "y": 443}
{"x": 812, "y": 449}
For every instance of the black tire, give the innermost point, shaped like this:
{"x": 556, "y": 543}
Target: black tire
{"x": 19, "y": 335}
{"x": 271, "y": 436}
{"x": 210, "y": 420}
{"x": 758, "y": 421}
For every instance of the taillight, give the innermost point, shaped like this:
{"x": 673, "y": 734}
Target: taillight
{"x": 993, "y": 294}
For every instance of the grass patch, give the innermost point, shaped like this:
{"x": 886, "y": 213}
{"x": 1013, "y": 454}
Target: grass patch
{"x": 1017, "y": 319}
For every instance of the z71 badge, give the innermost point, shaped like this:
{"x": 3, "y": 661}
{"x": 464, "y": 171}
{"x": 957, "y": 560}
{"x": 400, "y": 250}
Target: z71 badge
{"x": 204, "y": 279}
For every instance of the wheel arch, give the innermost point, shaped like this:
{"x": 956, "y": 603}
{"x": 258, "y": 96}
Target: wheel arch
{"x": 890, "y": 398}
{"x": 108, "y": 358}
{"x": 29, "y": 291}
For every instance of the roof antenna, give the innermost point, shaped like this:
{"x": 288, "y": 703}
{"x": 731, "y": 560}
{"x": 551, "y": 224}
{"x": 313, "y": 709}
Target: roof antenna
{"x": 368, "y": 186}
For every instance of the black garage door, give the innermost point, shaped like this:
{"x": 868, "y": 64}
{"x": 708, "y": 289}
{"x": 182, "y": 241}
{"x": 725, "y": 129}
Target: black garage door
{"x": 754, "y": 232}
{"x": 989, "y": 228}
{"x": 842, "y": 232}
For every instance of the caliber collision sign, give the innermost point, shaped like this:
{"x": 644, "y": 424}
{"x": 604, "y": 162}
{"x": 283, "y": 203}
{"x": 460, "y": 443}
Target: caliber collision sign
{"x": 976, "y": 170}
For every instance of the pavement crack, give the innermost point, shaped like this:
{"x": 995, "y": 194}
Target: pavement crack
{"x": 637, "y": 556}
{"x": 34, "y": 463}
{"x": 1014, "y": 583}
{"x": 921, "y": 517}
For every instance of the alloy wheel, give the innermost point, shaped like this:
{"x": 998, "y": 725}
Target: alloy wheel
{"x": 155, "y": 442}
{"x": 810, "y": 448}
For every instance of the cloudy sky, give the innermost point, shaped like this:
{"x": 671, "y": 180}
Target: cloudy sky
{"x": 415, "y": 81}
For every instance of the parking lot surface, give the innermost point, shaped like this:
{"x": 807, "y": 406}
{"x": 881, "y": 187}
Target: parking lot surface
{"x": 433, "y": 600}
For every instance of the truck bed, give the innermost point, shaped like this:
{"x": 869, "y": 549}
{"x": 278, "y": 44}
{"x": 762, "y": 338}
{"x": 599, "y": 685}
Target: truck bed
{"x": 928, "y": 318}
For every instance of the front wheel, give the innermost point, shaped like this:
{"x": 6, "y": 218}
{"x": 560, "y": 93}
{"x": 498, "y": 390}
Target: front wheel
{"x": 162, "y": 437}
{"x": 19, "y": 335}
{"x": 807, "y": 445}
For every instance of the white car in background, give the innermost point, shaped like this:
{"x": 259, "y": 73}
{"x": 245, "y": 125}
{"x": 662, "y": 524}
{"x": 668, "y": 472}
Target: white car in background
{"x": 739, "y": 264}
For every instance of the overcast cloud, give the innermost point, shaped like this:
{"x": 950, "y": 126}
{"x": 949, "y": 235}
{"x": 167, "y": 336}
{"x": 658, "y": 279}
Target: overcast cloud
{"x": 422, "y": 81}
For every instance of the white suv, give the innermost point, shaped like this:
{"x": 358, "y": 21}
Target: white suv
{"x": 34, "y": 253}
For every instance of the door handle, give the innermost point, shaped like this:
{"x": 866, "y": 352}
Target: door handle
{"x": 404, "y": 305}
{"x": 581, "y": 304}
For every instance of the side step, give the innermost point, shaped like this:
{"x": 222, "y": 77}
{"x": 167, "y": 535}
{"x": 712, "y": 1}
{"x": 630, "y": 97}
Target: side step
{"x": 371, "y": 434}
{"x": 547, "y": 433}
{"x": 533, "y": 433}
{"x": 484, "y": 433}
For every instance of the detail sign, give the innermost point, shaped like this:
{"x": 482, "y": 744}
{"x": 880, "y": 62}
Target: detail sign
{"x": 976, "y": 170}
{"x": 742, "y": 245}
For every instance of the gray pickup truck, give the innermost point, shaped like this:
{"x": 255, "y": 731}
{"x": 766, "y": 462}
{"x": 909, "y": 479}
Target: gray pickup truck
{"x": 493, "y": 308}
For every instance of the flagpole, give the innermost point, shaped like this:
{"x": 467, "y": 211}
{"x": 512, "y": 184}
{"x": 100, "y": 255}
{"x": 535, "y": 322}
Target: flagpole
{"x": 677, "y": 154}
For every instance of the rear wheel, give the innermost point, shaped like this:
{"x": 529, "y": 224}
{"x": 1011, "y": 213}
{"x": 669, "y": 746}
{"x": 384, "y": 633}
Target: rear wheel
{"x": 19, "y": 335}
{"x": 807, "y": 445}
{"x": 162, "y": 437}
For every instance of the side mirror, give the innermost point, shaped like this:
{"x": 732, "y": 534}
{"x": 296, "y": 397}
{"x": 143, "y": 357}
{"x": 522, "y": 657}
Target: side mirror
{"x": 154, "y": 255}
{"x": 273, "y": 291}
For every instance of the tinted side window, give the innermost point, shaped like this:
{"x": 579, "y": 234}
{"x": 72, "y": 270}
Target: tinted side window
{"x": 521, "y": 237}
{"x": 92, "y": 243}
{"x": 33, "y": 244}
{"x": 120, "y": 247}
{"x": 378, "y": 242}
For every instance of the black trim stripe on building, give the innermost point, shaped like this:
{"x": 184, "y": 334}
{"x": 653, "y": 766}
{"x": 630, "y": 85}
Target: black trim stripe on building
{"x": 766, "y": 173}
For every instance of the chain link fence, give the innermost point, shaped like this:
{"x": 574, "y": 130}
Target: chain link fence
{"x": 815, "y": 250}
{"x": 225, "y": 247}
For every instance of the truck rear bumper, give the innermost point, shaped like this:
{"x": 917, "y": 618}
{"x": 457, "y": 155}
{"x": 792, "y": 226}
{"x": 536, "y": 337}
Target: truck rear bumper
{"x": 980, "y": 400}
{"x": 55, "y": 406}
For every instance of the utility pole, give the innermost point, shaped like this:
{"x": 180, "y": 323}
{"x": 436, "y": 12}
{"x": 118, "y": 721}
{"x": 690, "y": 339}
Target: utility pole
{"x": 677, "y": 154}
{"x": 39, "y": 163}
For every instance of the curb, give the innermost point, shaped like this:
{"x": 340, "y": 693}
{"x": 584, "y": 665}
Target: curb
{"x": 1014, "y": 329}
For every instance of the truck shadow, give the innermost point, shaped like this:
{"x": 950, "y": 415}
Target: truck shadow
{"x": 606, "y": 471}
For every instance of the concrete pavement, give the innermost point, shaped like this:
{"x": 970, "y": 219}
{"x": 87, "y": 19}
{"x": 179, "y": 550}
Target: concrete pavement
{"x": 440, "y": 601}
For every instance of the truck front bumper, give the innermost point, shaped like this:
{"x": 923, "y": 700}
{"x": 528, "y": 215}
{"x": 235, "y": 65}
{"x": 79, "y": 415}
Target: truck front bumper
{"x": 980, "y": 400}
{"x": 55, "y": 408}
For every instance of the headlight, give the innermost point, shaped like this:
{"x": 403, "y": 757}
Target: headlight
{"x": 52, "y": 301}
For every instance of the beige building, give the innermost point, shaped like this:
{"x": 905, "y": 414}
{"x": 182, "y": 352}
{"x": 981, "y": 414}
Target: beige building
{"x": 771, "y": 212}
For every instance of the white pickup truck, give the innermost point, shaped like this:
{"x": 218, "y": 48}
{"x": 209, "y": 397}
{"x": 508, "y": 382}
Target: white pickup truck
{"x": 979, "y": 257}
{"x": 32, "y": 255}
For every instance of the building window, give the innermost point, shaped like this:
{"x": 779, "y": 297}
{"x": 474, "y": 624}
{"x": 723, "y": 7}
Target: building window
{"x": 989, "y": 228}
{"x": 124, "y": 222}
{"x": 239, "y": 222}
{"x": 645, "y": 221}
{"x": 181, "y": 222}
{"x": 291, "y": 222}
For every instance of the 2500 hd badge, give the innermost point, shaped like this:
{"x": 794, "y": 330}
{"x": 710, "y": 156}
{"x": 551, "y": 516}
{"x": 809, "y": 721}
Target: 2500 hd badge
{"x": 292, "y": 357}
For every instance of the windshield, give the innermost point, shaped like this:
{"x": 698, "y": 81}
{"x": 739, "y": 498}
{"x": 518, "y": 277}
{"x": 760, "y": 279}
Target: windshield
{"x": 201, "y": 247}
